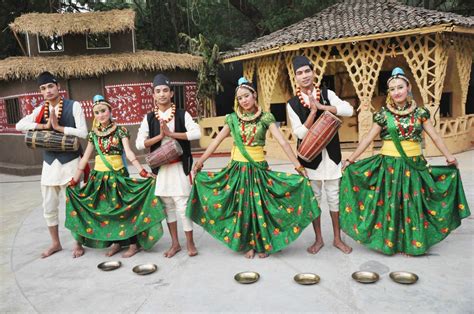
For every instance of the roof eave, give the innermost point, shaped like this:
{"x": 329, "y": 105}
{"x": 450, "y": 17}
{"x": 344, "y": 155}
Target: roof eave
{"x": 448, "y": 27}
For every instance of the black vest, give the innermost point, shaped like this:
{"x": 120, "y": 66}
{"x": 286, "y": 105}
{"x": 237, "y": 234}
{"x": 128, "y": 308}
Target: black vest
{"x": 333, "y": 148}
{"x": 66, "y": 120}
{"x": 179, "y": 126}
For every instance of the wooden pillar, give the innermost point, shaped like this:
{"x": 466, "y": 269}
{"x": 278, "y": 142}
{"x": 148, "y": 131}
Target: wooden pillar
{"x": 363, "y": 61}
{"x": 267, "y": 72}
{"x": 427, "y": 56}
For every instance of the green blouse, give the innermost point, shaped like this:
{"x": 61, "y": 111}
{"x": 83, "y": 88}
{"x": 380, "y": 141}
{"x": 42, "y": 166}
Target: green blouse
{"x": 114, "y": 140}
{"x": 254, "y": 133}
{"x": 410, "y": 126}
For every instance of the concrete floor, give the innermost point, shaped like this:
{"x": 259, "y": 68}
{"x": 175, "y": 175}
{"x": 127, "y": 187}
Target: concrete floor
{"x": 205, "y": 283}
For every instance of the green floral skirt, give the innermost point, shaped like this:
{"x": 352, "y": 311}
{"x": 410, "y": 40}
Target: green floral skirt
{"x": 390, "y": 207}
{"x": 112, "y": 207}
{"x": 246, "y": 207}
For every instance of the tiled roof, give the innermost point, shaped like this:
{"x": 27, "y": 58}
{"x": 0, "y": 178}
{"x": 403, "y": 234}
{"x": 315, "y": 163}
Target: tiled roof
{"x": 352, "y": 18}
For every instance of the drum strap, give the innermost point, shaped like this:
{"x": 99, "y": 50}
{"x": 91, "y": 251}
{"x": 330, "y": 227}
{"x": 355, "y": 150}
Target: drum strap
{"x": 99, "y": 152}
{"x": 392, "y": 130}
{"x": 234, "y": 129}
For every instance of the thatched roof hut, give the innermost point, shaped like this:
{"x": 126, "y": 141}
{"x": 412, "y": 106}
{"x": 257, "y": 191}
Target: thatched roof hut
{"x": 50, "y": 24}
{"x": 14, "y": 68}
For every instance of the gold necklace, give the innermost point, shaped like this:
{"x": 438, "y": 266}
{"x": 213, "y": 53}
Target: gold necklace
{"x": 410, "y": 109}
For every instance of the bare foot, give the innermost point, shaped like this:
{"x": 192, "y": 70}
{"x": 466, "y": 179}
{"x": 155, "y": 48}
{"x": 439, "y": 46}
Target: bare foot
{"x": 114, "y": 249}
{"x": 172, "y": 251}
{"x": 51, "y": 250}
{"x": 263, "y": 255}
{"x": 315, "y": 247}
{"x": 346, "y": 249}
{"x": 250, "y": 254}
{"x": 132, "y": 250}
{"x": 192, "y": 251}
{"x": 77, "y": 251}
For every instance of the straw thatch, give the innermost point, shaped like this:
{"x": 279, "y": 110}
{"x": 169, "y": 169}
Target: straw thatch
{"x": 95, "y": 65}
{"x": 351, "y": 19}
{"x": 49, "y": 24}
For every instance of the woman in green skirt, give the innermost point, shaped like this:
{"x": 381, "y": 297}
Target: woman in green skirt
{"x": 112, "y": 209}
{"x": 247, "y": 206}
{"x": 395, "y": 202}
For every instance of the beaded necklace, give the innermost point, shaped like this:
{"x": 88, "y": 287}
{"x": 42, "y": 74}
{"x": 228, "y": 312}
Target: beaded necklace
{"x": 405, "y": 111}
{"x": 300, "y": 96}
{"x": 158, "y": 116}
{"x": 46, "y": 109}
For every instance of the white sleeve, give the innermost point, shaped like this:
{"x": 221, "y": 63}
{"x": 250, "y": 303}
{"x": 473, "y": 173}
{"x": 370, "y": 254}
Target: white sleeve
{"x": 28, "y": 122}
{"x": 80, "y": 119}
{"x": 344, "y": 109}
{"x": 298, "y": 128}
{"x": 142, "y": 135}
{"x": 193, "y": 130}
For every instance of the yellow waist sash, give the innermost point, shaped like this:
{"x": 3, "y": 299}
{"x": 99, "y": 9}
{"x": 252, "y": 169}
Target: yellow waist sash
{"x": 411, "y": 148}
{"x": 114, "y": 160}
{"x": 256, "y": 152}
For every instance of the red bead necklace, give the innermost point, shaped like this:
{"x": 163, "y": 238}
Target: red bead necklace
{"x": 300, "y": 96}
{"x": 410, "y": 128}
{"x": 46, "y": 109}
{"x": 244, "y": 137}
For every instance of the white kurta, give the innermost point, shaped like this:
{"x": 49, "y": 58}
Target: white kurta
{"x": 327, "y": 169}
{"x": 58, "y": 174}
{"x": 171, "y": 180}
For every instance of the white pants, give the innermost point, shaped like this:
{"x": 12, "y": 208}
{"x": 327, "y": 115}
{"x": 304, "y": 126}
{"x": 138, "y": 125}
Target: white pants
{"x": 178, "y": 204}
{"x": 52, "y": 195}
{"x": 332, "y": 192}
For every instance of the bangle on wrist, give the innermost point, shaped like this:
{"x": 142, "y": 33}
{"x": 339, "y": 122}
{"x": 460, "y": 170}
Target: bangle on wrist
{"x": 350, "y": 161}
{"x": 72, "y": 182}
{"x": 451, "y": 162}
{"x": 143, "y": 173}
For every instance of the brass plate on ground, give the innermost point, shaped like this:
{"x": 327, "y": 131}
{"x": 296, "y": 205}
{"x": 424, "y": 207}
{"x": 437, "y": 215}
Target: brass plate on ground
{"x": 247, "y": 277}
{"x": 404, "y": 277}
{"x": 307, "y": 279}
{"x": 365, "y": 276}
{"x": 144, "y": 269}
{"x": 110, "y": 265}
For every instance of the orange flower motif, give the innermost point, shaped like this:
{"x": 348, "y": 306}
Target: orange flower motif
{"x": 154, "y": 202}
{"x": 104, "y": 223}
{"x": 203, "y": 220}
{"x": 146, "y": 220}
{"x": 368, "y": 173}
{"x": 290, "y": 210}
{"x": 296, "y": 229}
{"x": 217, "y": 205}
{"x": 212, "y": 222}
{"x": 407, "y": 173}
{"x": 391, "y": 170}
{"x": 215, "y": 192}
{"x": 82, "y": 194}
{"x": 442, "y": 177}
{"x": 348, "y": 209}
{"x": 361, "y": 205}
{"x": 378, "y": 225}
{"x": 425, "y": 224}
{"x": 300, "y": 209}
{"x": 432, "y": 212}
{"x": 416, "y": 243}
{"x": 134, "y": 219}
{"x": 239, "y": 213}
{"x": 408, "y": 220}
{"x": 388, "y": 217}
{"x": 237, "y": 235}
{"x": 380, "y": 203}
{"x": 252, "y": 242}
{"x": 461, "y": 206}
{"x": 388, "y": 243}
{"x": 73, "y": 213}
{"x": 102, "y": 196}
{"x": 444, "y": 230}
{"x": 270, "y": 182}
{"x": 121, "y": 233}
{"x": 287, "y": 194}
{"x": 151, "y": 238}
{"x": 226, "y": 239}
{"x": 242, "y": 191}
{"x": 205, "y": 209}
{"x": 268, "y": 247}
{"x": 355, "y": 188}
{"x": 89, "y": 230}
{"x": 276, "y": 231}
